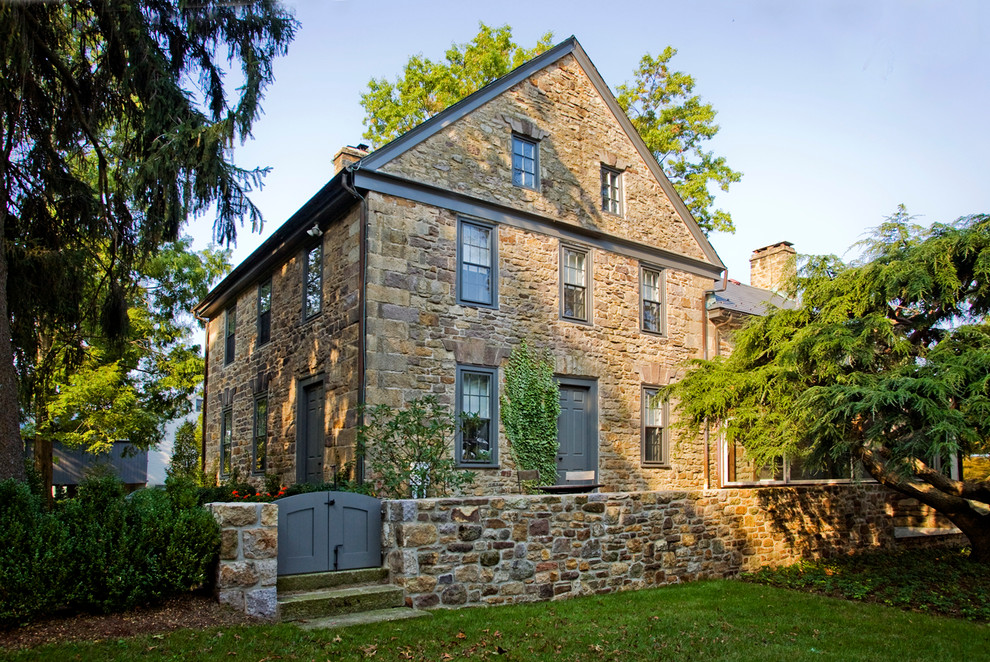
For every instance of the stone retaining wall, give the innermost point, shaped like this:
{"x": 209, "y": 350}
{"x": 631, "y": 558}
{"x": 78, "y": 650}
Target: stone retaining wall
{"x": 509, "y": 549}
{"x": 248, "y": 567}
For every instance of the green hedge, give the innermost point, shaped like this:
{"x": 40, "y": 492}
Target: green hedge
{"x": 100, "y": 551}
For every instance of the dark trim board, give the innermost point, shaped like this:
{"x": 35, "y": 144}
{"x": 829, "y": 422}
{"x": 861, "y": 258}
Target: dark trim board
{"x": 496, "y": 213}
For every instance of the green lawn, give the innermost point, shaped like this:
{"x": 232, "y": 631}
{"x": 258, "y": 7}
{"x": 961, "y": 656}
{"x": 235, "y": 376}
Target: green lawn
{"x": 713, "y": 620}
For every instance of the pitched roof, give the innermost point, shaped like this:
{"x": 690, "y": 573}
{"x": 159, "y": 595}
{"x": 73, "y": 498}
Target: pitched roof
{"x": 740, "y": 298}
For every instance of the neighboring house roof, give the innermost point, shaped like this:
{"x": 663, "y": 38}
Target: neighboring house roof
{"x": 740, "y": 298}
{"x": 337, "y": 195}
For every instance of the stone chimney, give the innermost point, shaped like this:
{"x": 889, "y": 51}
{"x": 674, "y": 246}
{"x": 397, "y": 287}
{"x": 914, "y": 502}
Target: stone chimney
{"x": 348, "y": 155}
{"x": 771, "y": 266}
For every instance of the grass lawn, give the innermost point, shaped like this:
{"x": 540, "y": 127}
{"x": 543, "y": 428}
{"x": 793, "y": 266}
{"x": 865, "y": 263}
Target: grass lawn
{"x": 713, "y": 620}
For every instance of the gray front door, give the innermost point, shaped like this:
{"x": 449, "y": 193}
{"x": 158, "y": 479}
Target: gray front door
{"x": 322, "y": 531}
{"x": 309, "y": 456}
{"x": 577, "y": 427}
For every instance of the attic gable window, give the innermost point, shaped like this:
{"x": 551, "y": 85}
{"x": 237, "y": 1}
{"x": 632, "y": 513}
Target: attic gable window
{"x": 525, "y": 158}
{"x": 611, "y": 190}
{"x": 526, "y": 139}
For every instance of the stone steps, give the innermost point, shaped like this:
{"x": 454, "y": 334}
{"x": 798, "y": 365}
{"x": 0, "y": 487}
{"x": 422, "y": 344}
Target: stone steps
{"x": 338, "y": 599}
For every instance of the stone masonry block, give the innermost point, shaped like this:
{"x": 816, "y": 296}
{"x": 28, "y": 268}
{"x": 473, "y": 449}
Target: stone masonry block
{"x": 234, "y": 514}
{"x": 261, "y": 603}
{"x": 260, "y": 543}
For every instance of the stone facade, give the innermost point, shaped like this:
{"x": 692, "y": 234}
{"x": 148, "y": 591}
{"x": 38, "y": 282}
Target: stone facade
{"x": 248, "y": 568}
{"x": 497, "y": 550}
{"x": 419, "y": 334}
{"x": 324, "y": 346}
{"x": 390, "y": 265}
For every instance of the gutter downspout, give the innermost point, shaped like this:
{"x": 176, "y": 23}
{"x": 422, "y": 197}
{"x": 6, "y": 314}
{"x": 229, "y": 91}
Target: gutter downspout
{"x": 346, "y": 182}
{"x": 704, "y": 343}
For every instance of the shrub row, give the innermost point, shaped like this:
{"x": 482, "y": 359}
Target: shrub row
{"x": 101, "y": 551}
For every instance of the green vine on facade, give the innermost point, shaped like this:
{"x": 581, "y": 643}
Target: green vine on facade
{"x": 530, "y": 406}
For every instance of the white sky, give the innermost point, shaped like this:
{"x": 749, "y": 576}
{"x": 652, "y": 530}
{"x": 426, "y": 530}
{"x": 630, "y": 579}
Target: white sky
{"x": 835, "y": 112}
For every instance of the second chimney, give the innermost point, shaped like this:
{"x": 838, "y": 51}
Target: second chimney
{"x": 348, "y": 155}
{"x": 771, "y": 266}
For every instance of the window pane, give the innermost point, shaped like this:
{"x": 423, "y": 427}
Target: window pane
{"x": 476, "y": 284}
{"x": 574, "y": 302}
{"x": 651, "y": 316}
{"x": 265, "y": 297}
{"x": 475, "y": 432}
{"x": 574, "y": 273}
{"x": 260, "y": 433}
{"x": 314, "y": 281}
{"x": 653, "y": 450}
{"x": 226, "y": 441}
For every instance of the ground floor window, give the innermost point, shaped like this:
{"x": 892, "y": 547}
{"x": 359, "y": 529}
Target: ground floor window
{"x": 654, "y": 428}
{"x": 477, "y": 416}
{"x": 259, "y": 449}
{"x": 739, "y": 468}
{"x": 226, "y": 440}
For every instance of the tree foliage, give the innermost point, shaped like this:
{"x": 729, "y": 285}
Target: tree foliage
{"x": 673, "y": 121}
{"x": 887, "y": 359}
{"x": 675, "y": 124}
{"x": 427, "y": 87}
{"x": 529, "y": 407}
{"x": 117, "y": 122}
{"x": 409, "y": 450}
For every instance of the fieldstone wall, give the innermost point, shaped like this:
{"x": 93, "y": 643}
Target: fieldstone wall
{"x": 495, "y": 550}
{"x": 248, "y": 568}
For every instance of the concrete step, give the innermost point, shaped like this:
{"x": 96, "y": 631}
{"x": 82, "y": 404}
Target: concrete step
{"x": 361, "y": 618}
{"x": 316, "y": 581}
{"x": 334, "y": 602}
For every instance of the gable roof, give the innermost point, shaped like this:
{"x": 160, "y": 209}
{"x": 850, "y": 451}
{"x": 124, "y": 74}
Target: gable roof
{"x": 468, "y": 104}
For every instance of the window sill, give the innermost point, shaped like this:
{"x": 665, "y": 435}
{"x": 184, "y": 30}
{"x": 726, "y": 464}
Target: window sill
{"x": 655, "y": 334}
{"x": 573, "y": 320}
{"x": 476, "y": 466}
{"x": 644, "y": 465}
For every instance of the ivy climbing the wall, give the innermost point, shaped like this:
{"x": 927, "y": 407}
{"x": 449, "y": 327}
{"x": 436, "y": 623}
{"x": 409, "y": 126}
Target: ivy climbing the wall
{"x": 530, "y": 405}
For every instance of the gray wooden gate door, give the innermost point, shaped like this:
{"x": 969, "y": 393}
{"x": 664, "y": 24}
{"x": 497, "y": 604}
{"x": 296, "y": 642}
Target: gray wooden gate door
{"x": 323, "y": 531}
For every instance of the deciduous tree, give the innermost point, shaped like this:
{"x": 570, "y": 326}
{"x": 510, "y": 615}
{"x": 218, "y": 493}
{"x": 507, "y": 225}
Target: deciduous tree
{"x": 887, "y": 359}
{"x": 117, "y": 121}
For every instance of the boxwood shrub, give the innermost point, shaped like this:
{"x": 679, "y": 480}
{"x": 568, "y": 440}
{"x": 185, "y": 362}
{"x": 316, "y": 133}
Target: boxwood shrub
{"x": 101, "y": 551}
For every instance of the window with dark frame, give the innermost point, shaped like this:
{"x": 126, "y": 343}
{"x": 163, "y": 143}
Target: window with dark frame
{"x": 313, "y": 282}
{"x": 525, "y": 162}
{"x": 477, "y": 427}
{"x": 259, "y": 449}
{"x": 477, "y": 264}
{"x": 651, "y": 288}
{"x": 654, "y": 436}
{"x": 611, "y": 191}
{"x": 574, "y": 280}
{"x": 265, "y": 311}
{"x": 230, "y": 328}
{"x": 226, "y": 440}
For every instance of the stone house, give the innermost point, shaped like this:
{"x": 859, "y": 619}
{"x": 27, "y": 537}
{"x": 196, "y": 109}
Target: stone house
{"x": 529, "y": 210}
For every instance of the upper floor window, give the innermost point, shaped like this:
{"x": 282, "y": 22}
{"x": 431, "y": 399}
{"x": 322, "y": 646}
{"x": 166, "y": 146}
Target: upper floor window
{"x": 265, "y": 312}
{"x": 226, "y": 440}
{"x": 654, "y": 433}
{"x": 651, "y": 288}
{"x": 230, "y": 327}
{"x": 611, "y": 191}
{"x": 313, "y": 281}
{"x": 525, "y": 162}
{"x": 260, "y": 445}
{"x": 477, "y": 274}
{"x": 477, "y": 427}
{"x": 575, "y": 300}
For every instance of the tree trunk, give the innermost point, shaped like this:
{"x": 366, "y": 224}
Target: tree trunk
{"x": 974, "y": 524}
{"x": 11, "y": 445}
